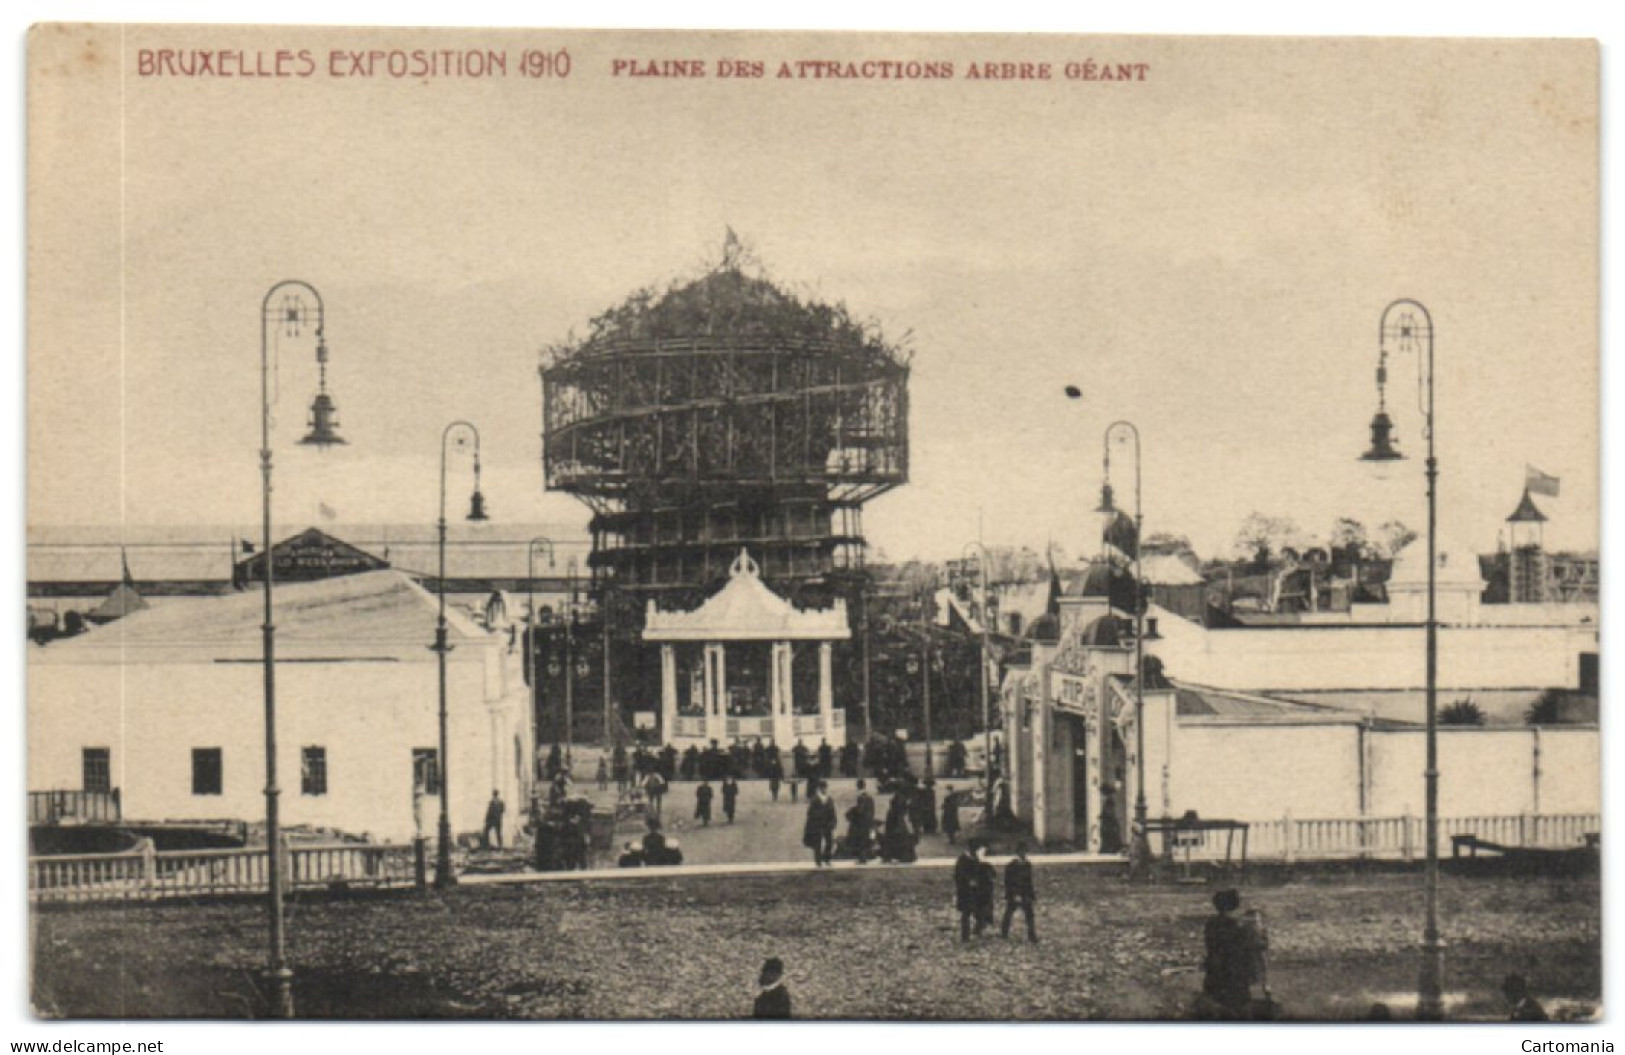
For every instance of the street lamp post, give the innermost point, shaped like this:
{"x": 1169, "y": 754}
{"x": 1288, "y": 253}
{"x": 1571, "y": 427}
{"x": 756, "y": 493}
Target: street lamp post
{"x": 569, "y": 671}
{"x": 443, "y": 877}
{"x": 532, "y": 653}
{"x": 1407, "y": 326}
{"x": 292, "y": 314}
{"x": 987, "y": 709}
{"x": 925, "y": 675}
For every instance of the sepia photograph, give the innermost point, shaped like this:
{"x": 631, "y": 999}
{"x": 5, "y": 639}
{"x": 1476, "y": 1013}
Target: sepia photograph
{"x": 651, "y": 525}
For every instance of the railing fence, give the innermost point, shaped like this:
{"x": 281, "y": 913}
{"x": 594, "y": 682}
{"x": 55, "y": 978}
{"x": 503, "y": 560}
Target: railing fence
{"x": 1405, "y": 837}
{"x": 145, "y": 874}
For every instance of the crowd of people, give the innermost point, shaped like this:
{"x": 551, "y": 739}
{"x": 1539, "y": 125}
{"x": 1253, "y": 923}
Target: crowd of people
{"x": 880, "y": 759}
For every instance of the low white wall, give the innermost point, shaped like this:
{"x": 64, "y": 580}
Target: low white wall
{"x": 369, "y": 716}
{"x": 1256, "y": 772}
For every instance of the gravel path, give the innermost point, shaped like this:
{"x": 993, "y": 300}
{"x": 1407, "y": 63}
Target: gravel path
{"x": 865, "y": 945}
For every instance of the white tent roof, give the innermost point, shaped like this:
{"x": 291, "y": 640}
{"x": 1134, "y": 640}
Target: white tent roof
{"x": 382, "y": 607}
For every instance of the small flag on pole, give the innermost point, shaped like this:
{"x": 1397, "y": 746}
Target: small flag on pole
{"x": 124, "y": 561}
{"x": 327, "y": 511}
{"x": 1540, "y": 483}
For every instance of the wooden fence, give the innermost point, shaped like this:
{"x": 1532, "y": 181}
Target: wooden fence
{"x": 146, "y": 874}
{"x": 1402, "y": 838}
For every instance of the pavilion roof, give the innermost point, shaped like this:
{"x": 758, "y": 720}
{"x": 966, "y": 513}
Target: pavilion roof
{"x": 745, "y": 609}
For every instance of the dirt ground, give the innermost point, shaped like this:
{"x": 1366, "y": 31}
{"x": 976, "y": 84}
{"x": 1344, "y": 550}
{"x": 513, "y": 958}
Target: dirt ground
{"x": 880, "y": 944}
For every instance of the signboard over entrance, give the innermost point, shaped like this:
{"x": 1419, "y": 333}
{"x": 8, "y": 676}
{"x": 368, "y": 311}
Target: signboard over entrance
{"x": 311, "y": 554}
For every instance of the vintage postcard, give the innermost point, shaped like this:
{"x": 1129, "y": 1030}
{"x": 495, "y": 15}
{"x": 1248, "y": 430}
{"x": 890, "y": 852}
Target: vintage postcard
{"x": 562, "y": 524}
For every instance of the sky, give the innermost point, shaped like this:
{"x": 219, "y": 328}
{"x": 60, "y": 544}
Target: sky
{"x": 1205, "y": 253}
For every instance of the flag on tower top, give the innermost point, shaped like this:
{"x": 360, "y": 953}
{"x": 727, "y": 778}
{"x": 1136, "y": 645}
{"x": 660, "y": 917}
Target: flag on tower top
{"x": 1540, "y": 483}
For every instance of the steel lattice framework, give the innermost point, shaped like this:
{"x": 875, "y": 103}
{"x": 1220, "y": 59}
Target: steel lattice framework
{"x": 720, "y": 415}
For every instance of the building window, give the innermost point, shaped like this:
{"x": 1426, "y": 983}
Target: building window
{"x": 313, "y": 771}
{"x": 206, "y": 769}
{"x": 425, "y": 771}
{"x": 97, "y": 770}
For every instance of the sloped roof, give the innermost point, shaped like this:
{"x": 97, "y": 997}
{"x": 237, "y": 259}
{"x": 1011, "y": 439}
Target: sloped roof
{"x": 1167, "y": 569}
{"x": 1527, "y": 511}
{"x": 123, "y": 601}
{"x": 746, "y": 610}
{"x": 1203, "y": 701}
{"x": 379, "y": 606}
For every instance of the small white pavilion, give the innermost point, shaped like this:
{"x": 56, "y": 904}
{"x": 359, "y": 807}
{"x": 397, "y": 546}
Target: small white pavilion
{"x": 747, "y": 664}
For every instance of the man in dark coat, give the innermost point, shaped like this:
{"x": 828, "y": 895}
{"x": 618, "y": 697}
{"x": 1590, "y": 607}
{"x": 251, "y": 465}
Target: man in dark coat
{"x": 775, "y": 774}
{"x": 668, "y": 762}
{"x": 702, "y": 803}
{"x": 691, "y": 763}
{"x": 773, "y": 1001}
{"x": 987, "y": 881}
{"x": 798, "y": 755}
{"x": 924, "y": 808}
{"x": 1018, "y": 892}
{"x": 956, "y": 759}
{"x": 493, "y": 821}
{"x": 730, "y": 797}
{"x": 825, "y": 755}
{"x": 966, "y": 889}
{"x": 619, "y": 766}
{"x": 950, "y": 814}
{"x": 900, "y": 839}
{"x": 861, "y": 824}
{"x": 1228, "y": 970}
{"x": 818, "y": 835}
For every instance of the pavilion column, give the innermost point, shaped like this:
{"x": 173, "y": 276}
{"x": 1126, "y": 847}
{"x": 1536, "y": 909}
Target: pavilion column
{"x": 826, "y": 688}
{"x": 668, "y": 692}
{"x": 783, "y": 702}
{"x": 1095, "y": 763}
{"x": 1040, "y": 739}
{"x": 716, "y": 725}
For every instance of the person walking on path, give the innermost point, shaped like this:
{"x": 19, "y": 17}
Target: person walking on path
{"x": 966, "y": 882}
{"x": 819, "y": 833}
{"x": 619, "y": 768}
{"x": 494, "y": 811}
{"x": 730, "y": 797}
{"x": 654, "y": 790}
{"x": 950, "y": 814}
{"x": 702, "y": 803}
{"x": 1018, "y": 892}
{"x": 775, "y": 774}
{"x": 1232, "y": 959}
{"x": 861, "y": 824}
{"x": 603, "y": 774}
{"x": 772, "y": 998}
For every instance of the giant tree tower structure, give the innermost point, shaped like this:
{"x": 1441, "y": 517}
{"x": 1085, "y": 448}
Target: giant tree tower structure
{"x": 721, "y": 415}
